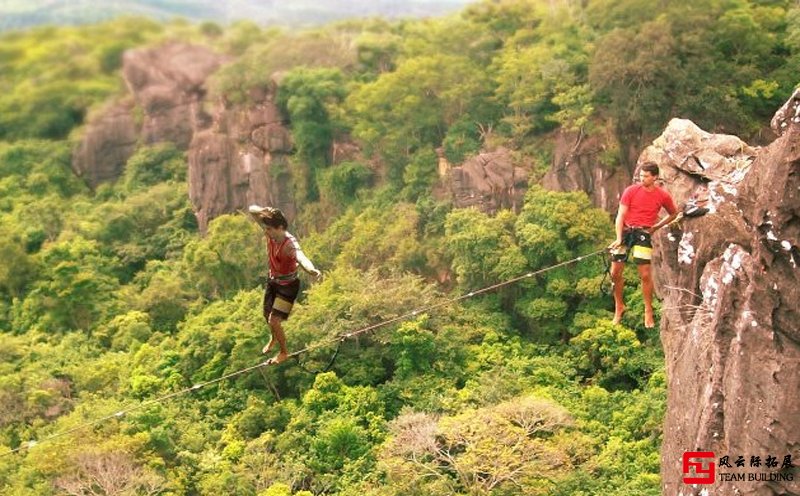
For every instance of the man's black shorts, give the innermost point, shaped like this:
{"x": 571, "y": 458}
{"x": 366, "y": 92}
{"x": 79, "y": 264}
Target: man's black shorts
{"x": 636, "y": 242}
{"x": 279, "y": 298}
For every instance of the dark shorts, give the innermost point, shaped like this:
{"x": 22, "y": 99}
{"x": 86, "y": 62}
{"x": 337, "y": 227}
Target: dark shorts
{"x": 638, "y": 244}
{"x": 279, "y": 298}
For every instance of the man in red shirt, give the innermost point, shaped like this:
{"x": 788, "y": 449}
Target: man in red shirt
{"x": 283, "y": 286}
{"x": 637, "y": 220}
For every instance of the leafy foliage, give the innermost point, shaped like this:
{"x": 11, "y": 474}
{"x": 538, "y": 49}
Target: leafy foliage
{"x": 112, "y": 297}
{"x": 51, "y": 77}
{"x": 412, "y": 107}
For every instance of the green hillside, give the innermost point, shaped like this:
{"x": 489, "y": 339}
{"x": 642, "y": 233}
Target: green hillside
{"x": 110, "y": 297}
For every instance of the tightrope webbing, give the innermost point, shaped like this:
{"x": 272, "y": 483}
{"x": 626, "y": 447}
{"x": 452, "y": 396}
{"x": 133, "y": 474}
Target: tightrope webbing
{"x": 340, "y": 338}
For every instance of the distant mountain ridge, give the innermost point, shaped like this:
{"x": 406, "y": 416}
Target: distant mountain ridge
{"x": 21, "y": 14}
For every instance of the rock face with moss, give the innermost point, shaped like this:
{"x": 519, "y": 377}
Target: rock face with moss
{"x": 238, "y": 153}
{"x": 581, "y": 163}
{"x": 489, "y": 181}
{"x": 166, "y": 99}
{"x": 730, "y": 282}
{"x": 241, "y": 159}
{"x": 169, "y": 85}
{"x": 109, "y": 140}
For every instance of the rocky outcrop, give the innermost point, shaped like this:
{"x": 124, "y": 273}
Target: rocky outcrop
{"x": 167, "y": 93}
{"x": 109, "y": 139}
{"x": 578, "y": 166}
{"x": 730, "y": 326}
{"x": 489, "y": 181}
{"x": 168, "y": 84}
{"x": 238, "y": 155}
{"x": 787, "y": 115}
{"x": 242, "y": 159}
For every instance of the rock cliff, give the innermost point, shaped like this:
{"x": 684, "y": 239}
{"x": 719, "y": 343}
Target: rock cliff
{"x": 109, "y": 139}
{"x": 169, "y": 85}
{"x": 241, "y": 159}
{"x": 730, "y": 283}
{"x": 167, "y": 90}
{"x": 577, "y": 166}
{"x": 237, "y": 154}
{"x": 488, "y": 181}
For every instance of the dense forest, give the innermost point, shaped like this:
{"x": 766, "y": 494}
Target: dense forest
{"x": 110, "y": 296}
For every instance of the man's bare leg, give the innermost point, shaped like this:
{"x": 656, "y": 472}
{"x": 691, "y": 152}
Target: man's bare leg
{"x": 271, "y": 344}
{"x": 645, "y": 272}
{"x": 272, "y": 341}
{"x": 618, "y": 281}
{"x": 276, "y": 324}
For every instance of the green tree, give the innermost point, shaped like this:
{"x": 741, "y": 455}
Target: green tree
{"x": 154, "y": 164}
{"x": 554, "y": 227}
{"x": 278, "y": 52}
{"x": 377, "y": 47}
{"x": 608, "y": 353}
{"x": 309, "y": 97}
{"x": 633, "y": 72}
{"x": 17, "y": 268}
{"x": 374, "y": 238}
{"x": 482, "y": 248}
{"x": 37, "y": 168}
{"x": 123, "y": 330}
{"x": 529, "y": 77}
{"x": 485, "y": 451}
{"x": 339, "y": 184}
{"x": 229, "y": 258}
{"x": 240, "y": 35}
{"x": 607, "y": 15}
{"x": 732, "y": 58}
{"x": 421, "y": 174}
{"x": 53, "y": 76}
{"x": 76, "y": 290}
{"x": 413, "y": 106}
{"x": 163, "y": 292}
{"x": 463, "y": 140}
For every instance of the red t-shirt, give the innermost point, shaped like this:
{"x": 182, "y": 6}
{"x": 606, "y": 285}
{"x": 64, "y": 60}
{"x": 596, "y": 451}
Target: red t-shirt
{"x": 283, "y": 257}
{"x": 644, "y": 206}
